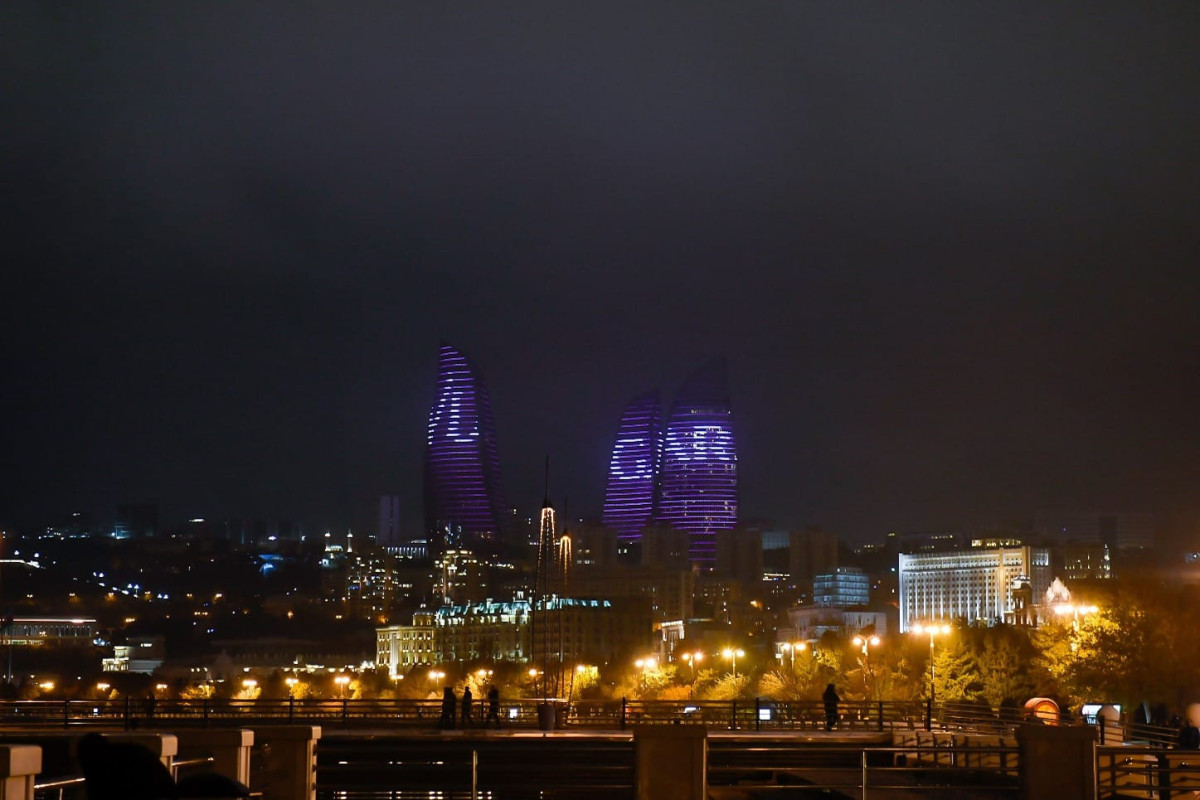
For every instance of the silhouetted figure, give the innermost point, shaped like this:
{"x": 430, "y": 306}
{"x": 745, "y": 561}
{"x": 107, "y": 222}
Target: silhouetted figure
{"x": 448, "y": 703}
{"x": 493, "y": 707}
{"x": 831, "y": 699}
{"x": 126, "y": 771}
{"x": 1189, "y": 736}
{"x": 466, "y": 707}
{"x": 151, "y": 702}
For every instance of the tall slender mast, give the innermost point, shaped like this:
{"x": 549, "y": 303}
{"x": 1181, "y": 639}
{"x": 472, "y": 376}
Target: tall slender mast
{"x": 543, "y": 584}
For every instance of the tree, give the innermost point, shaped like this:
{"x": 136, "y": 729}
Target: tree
{"x": 1002, "y": 672}
{"x": 957, "y": 677}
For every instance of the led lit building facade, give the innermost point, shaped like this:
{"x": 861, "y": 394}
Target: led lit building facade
{"x": 464, "y": 496}
{"x": 845, "y": 586}
{"x": 976, "y": 584}
{"x": 634, "y": 467}
{"x": 699, "y": 483}
{"x": 595, "y": 630}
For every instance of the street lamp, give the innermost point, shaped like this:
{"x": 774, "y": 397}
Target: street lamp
{"x": 866, "y": 643}
{"x": 341, "y": 681}
{"x": 692, "y": 660}
{"x": 790, "y": 648}
{"x": 932, "y": 630}
{"x": 645, "y": 665}
{"x": 732, "y": 655}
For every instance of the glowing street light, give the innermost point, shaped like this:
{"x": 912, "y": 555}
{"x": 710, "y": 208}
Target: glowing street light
{"x": 645, "y": 665}
{"x": 866, "y": 643}
{"x": 342, "y": 681}
{"x": 932, "y": 631}
{"x": 692, "y": 659}
{"x": 790, "y": 648}
{"x": 733, "y": 656}
{"x": 249, "y": 683}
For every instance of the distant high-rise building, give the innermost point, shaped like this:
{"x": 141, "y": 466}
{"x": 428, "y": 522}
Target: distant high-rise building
{"x": 1118, "y": 531}
{"x": 740, "y": 555}
{"x": 388, "y": 534}
{"x": 844, "y": 587}
{"x": 464, "y": 496}
{"x": 811, "y": 552}
{"x": 699, "y": 485}
{"x": 634, "y": 467}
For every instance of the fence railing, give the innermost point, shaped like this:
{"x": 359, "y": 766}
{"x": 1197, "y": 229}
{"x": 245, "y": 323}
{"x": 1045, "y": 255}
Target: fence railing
{"x": 1130, "y": 771}
{"x": 742, "y": 714}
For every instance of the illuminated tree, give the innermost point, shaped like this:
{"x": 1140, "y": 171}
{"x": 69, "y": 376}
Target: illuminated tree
{"x": 1139, "y": 648}
{"x": 1002, "y": 671}
{"x": 957, "y": 677}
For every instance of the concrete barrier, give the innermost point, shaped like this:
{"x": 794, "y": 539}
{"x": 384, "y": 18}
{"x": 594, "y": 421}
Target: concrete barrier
{"x": 670, "y": 761}
{"x": 164, "y": 746}
{"x": 19, "y": 768}
{"x": 228, "y": 747}
{"x": 288, "y": 768}
{"x": 1057, "y": 761}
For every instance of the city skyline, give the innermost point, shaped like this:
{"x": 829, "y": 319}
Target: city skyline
{"x": 948, "y": 253}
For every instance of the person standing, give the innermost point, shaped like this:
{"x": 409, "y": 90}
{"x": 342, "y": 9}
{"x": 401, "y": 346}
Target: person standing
{"x": 448, "y": 703}
{"x": 493, "y": 714}
{"x": 1189, "y": 736}
{"x": 831, "y": 699}
{"x": 466, "y": 707}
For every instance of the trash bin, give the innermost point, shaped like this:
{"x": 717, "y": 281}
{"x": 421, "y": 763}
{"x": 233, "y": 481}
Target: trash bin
{"x": 546, "y": 716}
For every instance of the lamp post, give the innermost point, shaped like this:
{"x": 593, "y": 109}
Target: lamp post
{"x": 645, "y": 664}
{"x": 790, "y": 648}
{"x": 341, "y": 681}
{"x": 932, "y": 631}
{"x": 692, "y": 660}
{"x": 732, "y": 655}
{"x": 867, "y": 642}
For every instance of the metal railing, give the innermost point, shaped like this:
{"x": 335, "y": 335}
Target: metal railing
{"x": 867, "y": 772}
{"x": 742, "y": 714}
{"x": 1132, "y": 771}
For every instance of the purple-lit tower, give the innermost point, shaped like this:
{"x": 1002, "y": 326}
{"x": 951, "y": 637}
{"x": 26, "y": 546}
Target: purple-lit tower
{"x": 699, "y": 484}
{"x": 464, "y": 497}
{"x": 634, "y": 467}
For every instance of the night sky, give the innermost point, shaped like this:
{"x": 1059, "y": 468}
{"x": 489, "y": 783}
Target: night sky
{"x": 949, "y": 250}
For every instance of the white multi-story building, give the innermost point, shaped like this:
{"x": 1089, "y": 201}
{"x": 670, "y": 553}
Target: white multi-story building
{"x": 976, "y": 584}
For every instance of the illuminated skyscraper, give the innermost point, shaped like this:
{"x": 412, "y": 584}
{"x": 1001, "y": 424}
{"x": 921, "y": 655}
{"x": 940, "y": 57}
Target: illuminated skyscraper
{"x": 699, "y": 484}
{"x": 464, "y": 496}
{"x": 634, "y": 467}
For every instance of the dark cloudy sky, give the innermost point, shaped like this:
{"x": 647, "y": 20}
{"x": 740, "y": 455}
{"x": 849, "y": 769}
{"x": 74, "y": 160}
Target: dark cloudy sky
{"x": 949, "y": 249}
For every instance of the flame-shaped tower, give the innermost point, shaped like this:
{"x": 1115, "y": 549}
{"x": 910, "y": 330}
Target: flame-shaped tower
{"x": 464, "y": 495}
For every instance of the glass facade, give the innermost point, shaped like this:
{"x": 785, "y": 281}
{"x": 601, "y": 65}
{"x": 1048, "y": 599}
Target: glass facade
{"x": 699, "y": 483}
{"x": 634, "y": 467}
{"x": 464, "y": 496}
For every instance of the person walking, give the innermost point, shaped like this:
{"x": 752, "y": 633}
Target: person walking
{"x": 493, "y": 714}
{"x": 448, "y": 703}
{"x": 466, "y": 707}
{"x": 831, "y": 699}
{"x": 1189, "y": 736}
